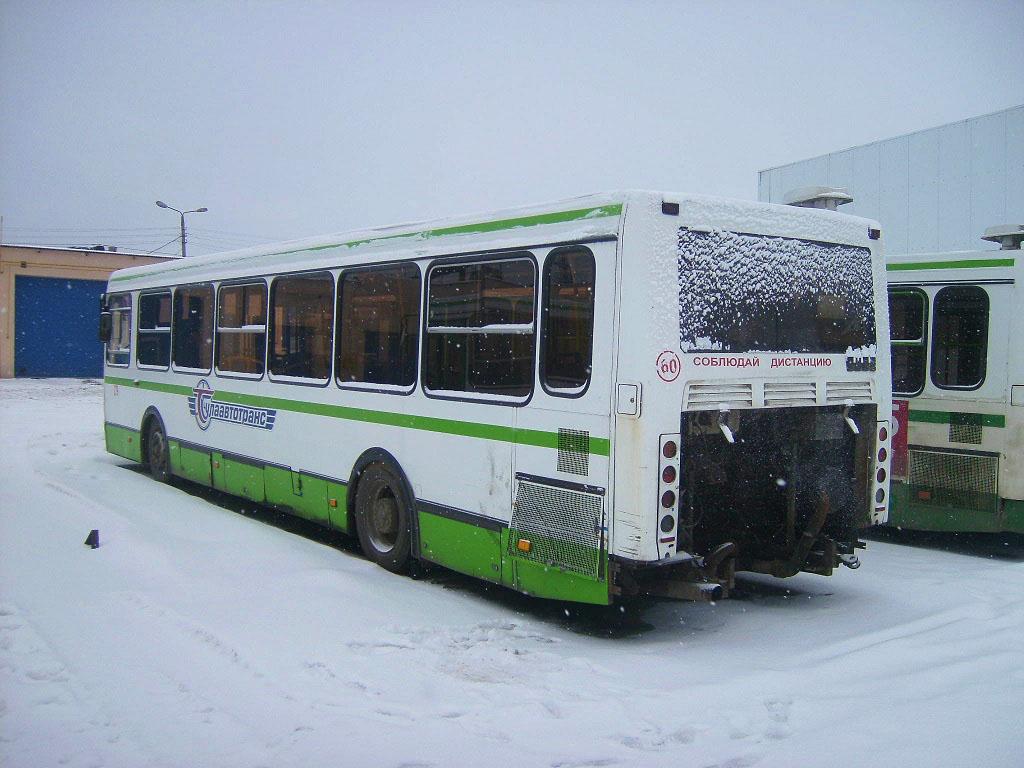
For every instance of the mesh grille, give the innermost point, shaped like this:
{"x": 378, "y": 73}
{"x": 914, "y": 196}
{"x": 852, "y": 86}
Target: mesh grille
{"x": 574, "y": 451}
{"x": 967, "y": 481}
{"x": 965, "y": 433}
{"x": 563, "y": 527}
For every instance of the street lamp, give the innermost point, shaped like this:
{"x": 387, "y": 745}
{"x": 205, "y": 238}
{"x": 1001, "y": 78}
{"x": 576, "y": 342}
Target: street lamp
{"x": 162, "y": 204}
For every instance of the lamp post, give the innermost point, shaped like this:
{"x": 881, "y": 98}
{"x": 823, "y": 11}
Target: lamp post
{"x": 162, "y": 204}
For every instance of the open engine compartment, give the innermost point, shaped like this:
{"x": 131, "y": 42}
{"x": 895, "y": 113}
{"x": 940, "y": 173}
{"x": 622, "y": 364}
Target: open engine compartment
{"x": 790, "y": 491}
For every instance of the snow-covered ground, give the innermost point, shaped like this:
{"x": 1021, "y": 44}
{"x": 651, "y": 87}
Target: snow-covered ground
{"x": 205, "y": 633}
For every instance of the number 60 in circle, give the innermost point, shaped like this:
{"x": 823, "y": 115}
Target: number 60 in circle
{"x": 668, "y": 365}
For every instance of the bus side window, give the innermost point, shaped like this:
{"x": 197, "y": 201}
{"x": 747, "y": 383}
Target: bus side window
{"x": 153, "y": 342}
{"x": 568, "y": 322}
{"x": 242, "y": 328}
{"x": 480, "y": 328}
{"x": 119, "y": 347}
{"x": 193, "y": 327}
{"x": 960, "y": 337}
{"x": 301, "y": 316}
{"x": 378, "y": 325}
{"x": 908, "y": 323}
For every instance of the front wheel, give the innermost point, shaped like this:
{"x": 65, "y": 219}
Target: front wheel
{"x": 383, "y": 517}
{"x": 157, "y": 455}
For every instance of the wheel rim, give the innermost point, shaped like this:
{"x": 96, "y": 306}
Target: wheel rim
{"x": 157, "y": 450}
{"x": 382, "y": 521}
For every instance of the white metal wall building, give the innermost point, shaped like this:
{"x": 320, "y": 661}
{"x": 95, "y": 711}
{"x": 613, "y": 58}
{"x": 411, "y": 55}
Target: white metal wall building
{"x": 933, "y": 191}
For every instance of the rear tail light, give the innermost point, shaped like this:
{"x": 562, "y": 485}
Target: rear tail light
{"x": 880, "y": 485}
{"x": 668, "y": 494}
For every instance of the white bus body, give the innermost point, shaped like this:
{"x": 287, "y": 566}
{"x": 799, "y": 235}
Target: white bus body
{"x": 958, "y": 384}
{"x": 676, "y": 459}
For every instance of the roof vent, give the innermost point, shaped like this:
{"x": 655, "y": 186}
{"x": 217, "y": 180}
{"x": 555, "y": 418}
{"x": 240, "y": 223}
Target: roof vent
{"x": 1008, "y": 236}
{"x": 829, "y": 198}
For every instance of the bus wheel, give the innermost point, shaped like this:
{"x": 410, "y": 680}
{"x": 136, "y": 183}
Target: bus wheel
{"x": 382, "y": 517}
{"x": 157, "y": 456}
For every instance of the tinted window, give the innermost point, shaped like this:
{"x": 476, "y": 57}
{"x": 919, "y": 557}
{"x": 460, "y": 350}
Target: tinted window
{"x": 480, "y": 335}
{"x": 906, "y": 315}
{"x": 568, "y": 319}
{"x": 378, "y": 325}
{"x": 908, "y": 329}
{"x": 193, "y": 327}
{"x": 301, "y": 314}
{"x": 754, "y": 293}
{"x": 242, "y": 328}
{"x": 960, "y": 337}
{"x": 154, "y": 336}
{"x": 119, "y": 347}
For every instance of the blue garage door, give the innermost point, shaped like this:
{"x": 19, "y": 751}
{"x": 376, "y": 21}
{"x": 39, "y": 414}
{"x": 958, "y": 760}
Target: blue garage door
{"x": 56, "y": 323}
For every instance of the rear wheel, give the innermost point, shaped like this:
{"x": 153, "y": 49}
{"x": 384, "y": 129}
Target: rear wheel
{"x": 157, "y": 455}
{"x": 383, "y": 517}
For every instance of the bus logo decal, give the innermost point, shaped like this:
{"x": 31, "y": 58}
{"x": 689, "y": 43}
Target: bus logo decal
{"x": 207, "y": 410}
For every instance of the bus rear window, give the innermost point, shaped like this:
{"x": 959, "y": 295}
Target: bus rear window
{"x": 754, "y": 293}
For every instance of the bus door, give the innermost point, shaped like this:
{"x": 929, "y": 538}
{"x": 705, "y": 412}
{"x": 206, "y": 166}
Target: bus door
{"x": 561, "y": 458}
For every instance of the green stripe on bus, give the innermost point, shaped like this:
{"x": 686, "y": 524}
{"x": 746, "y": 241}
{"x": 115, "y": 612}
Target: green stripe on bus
{"x": 943, "y": 417}
{"x": 558, "y": 217}
{"x": 151, "y": 386}
{"x": 955, "y": 264}
{"x": 599, "y": 446}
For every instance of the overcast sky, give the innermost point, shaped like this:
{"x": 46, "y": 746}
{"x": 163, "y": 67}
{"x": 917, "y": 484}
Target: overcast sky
{"x": 292, "y": 118}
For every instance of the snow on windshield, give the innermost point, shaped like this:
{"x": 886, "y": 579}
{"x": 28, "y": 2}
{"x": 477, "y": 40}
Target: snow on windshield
{"x": 745, "y": 293}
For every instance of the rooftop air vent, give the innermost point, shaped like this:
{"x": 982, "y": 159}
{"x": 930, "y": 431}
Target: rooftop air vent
{"x": 1008, "y": 236}
{"x": 829, "y": 198}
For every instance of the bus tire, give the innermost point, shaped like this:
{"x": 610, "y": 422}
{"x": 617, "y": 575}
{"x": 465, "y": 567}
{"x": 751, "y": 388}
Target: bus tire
{"x": 383, "y": 517}
{"x": 158, "y": 456}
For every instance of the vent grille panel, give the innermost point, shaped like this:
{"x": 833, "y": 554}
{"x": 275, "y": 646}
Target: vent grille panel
{"x": 563, "y": 527}
{"x": 574, "y": 451}
{"x": 735, "y": 394}
{"x": 790, "y": 393}
{"x": 837, "y": 392}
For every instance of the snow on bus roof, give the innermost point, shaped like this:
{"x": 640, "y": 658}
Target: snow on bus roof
{"x": 572, "y": 219}
{"x": 586, "y": 216}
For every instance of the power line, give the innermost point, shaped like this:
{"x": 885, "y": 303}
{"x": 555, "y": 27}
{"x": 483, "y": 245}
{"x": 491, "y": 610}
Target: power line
{"x": 165, "y": 244}
{"x": 88, "y": 229}
{"x": 237, "y": 234}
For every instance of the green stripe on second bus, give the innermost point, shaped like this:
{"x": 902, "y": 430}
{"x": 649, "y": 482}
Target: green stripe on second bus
{"x": 946, "y": 417}
{"x": 908, "y": 266}
{"x": 599, "y": 446}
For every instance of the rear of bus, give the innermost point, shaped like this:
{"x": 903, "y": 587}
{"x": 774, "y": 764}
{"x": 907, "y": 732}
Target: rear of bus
{"x": 752, "y": 395}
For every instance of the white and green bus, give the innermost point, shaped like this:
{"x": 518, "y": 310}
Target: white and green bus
{"x": 958, "y": 380}
{"x": 622, "y": 394}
